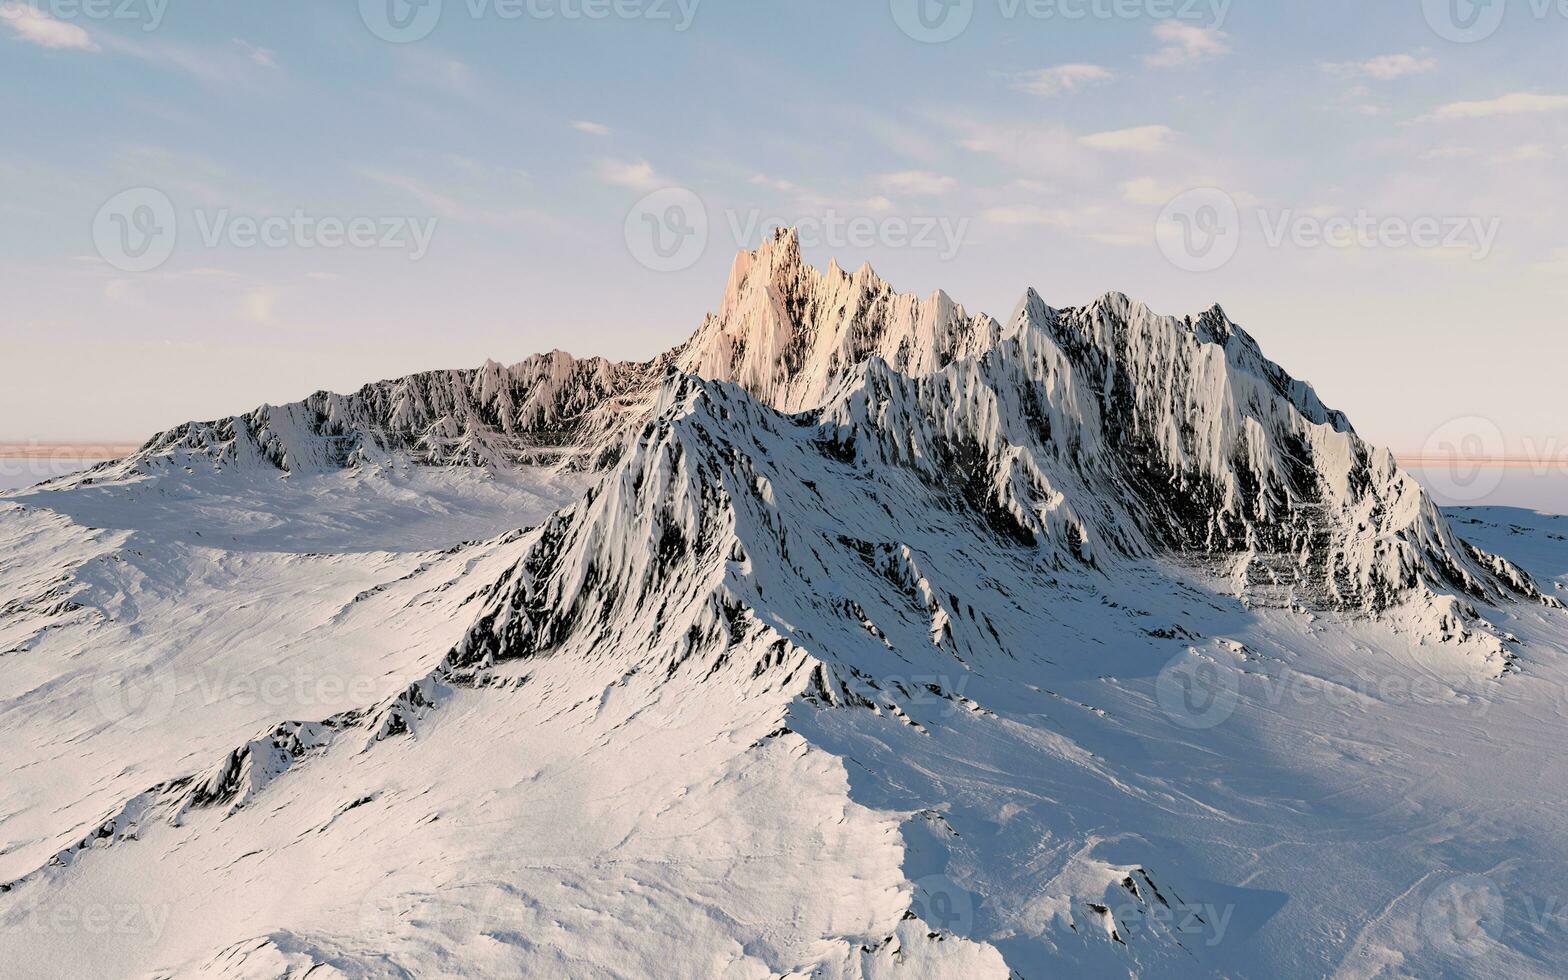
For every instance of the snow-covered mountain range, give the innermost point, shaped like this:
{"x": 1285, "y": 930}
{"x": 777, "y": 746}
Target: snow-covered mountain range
{"x": 858, "y": 635}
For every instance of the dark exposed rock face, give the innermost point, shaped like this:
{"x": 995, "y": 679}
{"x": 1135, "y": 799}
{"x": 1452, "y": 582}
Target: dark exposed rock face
{"x": 1090, "y": 432}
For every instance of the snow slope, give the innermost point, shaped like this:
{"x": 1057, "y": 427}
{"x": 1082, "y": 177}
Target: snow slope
{"x": 858, "y": 636}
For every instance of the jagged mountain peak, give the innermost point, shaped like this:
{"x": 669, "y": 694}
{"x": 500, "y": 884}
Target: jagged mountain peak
{"x": 720, "y": 505}
{"x": 1147, "y": 346}
{"x": 898, "y": 591}
{"x": 1206, "y": 459}
{"x": 779, "y": 259}
{"x": 790, "y": 334}
{"x": 1099, "y": 429}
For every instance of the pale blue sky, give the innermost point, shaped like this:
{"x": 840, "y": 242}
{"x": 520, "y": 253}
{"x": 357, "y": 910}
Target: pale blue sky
{"x": 1046, "y": 148}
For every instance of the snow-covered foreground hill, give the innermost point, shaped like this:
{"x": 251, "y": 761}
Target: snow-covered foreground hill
{"x": 859, "y": 636}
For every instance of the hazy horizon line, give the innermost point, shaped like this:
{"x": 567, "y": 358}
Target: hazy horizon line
{"x": 103, "y": 449}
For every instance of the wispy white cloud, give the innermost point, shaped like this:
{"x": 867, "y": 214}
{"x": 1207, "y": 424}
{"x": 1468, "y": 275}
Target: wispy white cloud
{"x": 1060, "y": 79}
{"x": 1555, "y": 265}
{"x": 920, "y": 182}
{"x": 1382, "y": 68}
{"x": 506, "y": 179}
{"x": 191, "y": 178}
{"x": 1152, "y": 191}
{"x": 1185, "y": 44}
{"x": 1148, "y": 190}
{"x": 139, "y": 291}
{"x": 34, "y": 26}
{"x": 1448, "y": 153}
{"x": 1139, "y": 139}
{"x": 490, "y": 204}
{"x": 1526, "y": 153}
{"x": 775, "y": 183}
{"x": 422, "y": 67}
{"x": 215, "y": 64}
{"x": 639, "y": 175}
{"x": 591, "y": 128}
{"x": 265, "y": 57}
{"x": 435, "y": 201}
{"x": 816, "y": 200}
{"x": 1513, "y": 104}
{"x": 1122, "y": 239}
{"x": 1091, "y": 222}
{"x": 1030, "y": 214}
{"x": 1032, "y": 150}
{"x": 257, "y": 304}
{"x": 121, "y": 291}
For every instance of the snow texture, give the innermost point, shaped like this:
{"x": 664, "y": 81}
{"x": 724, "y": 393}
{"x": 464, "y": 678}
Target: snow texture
{"x": 859, "y": 636}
